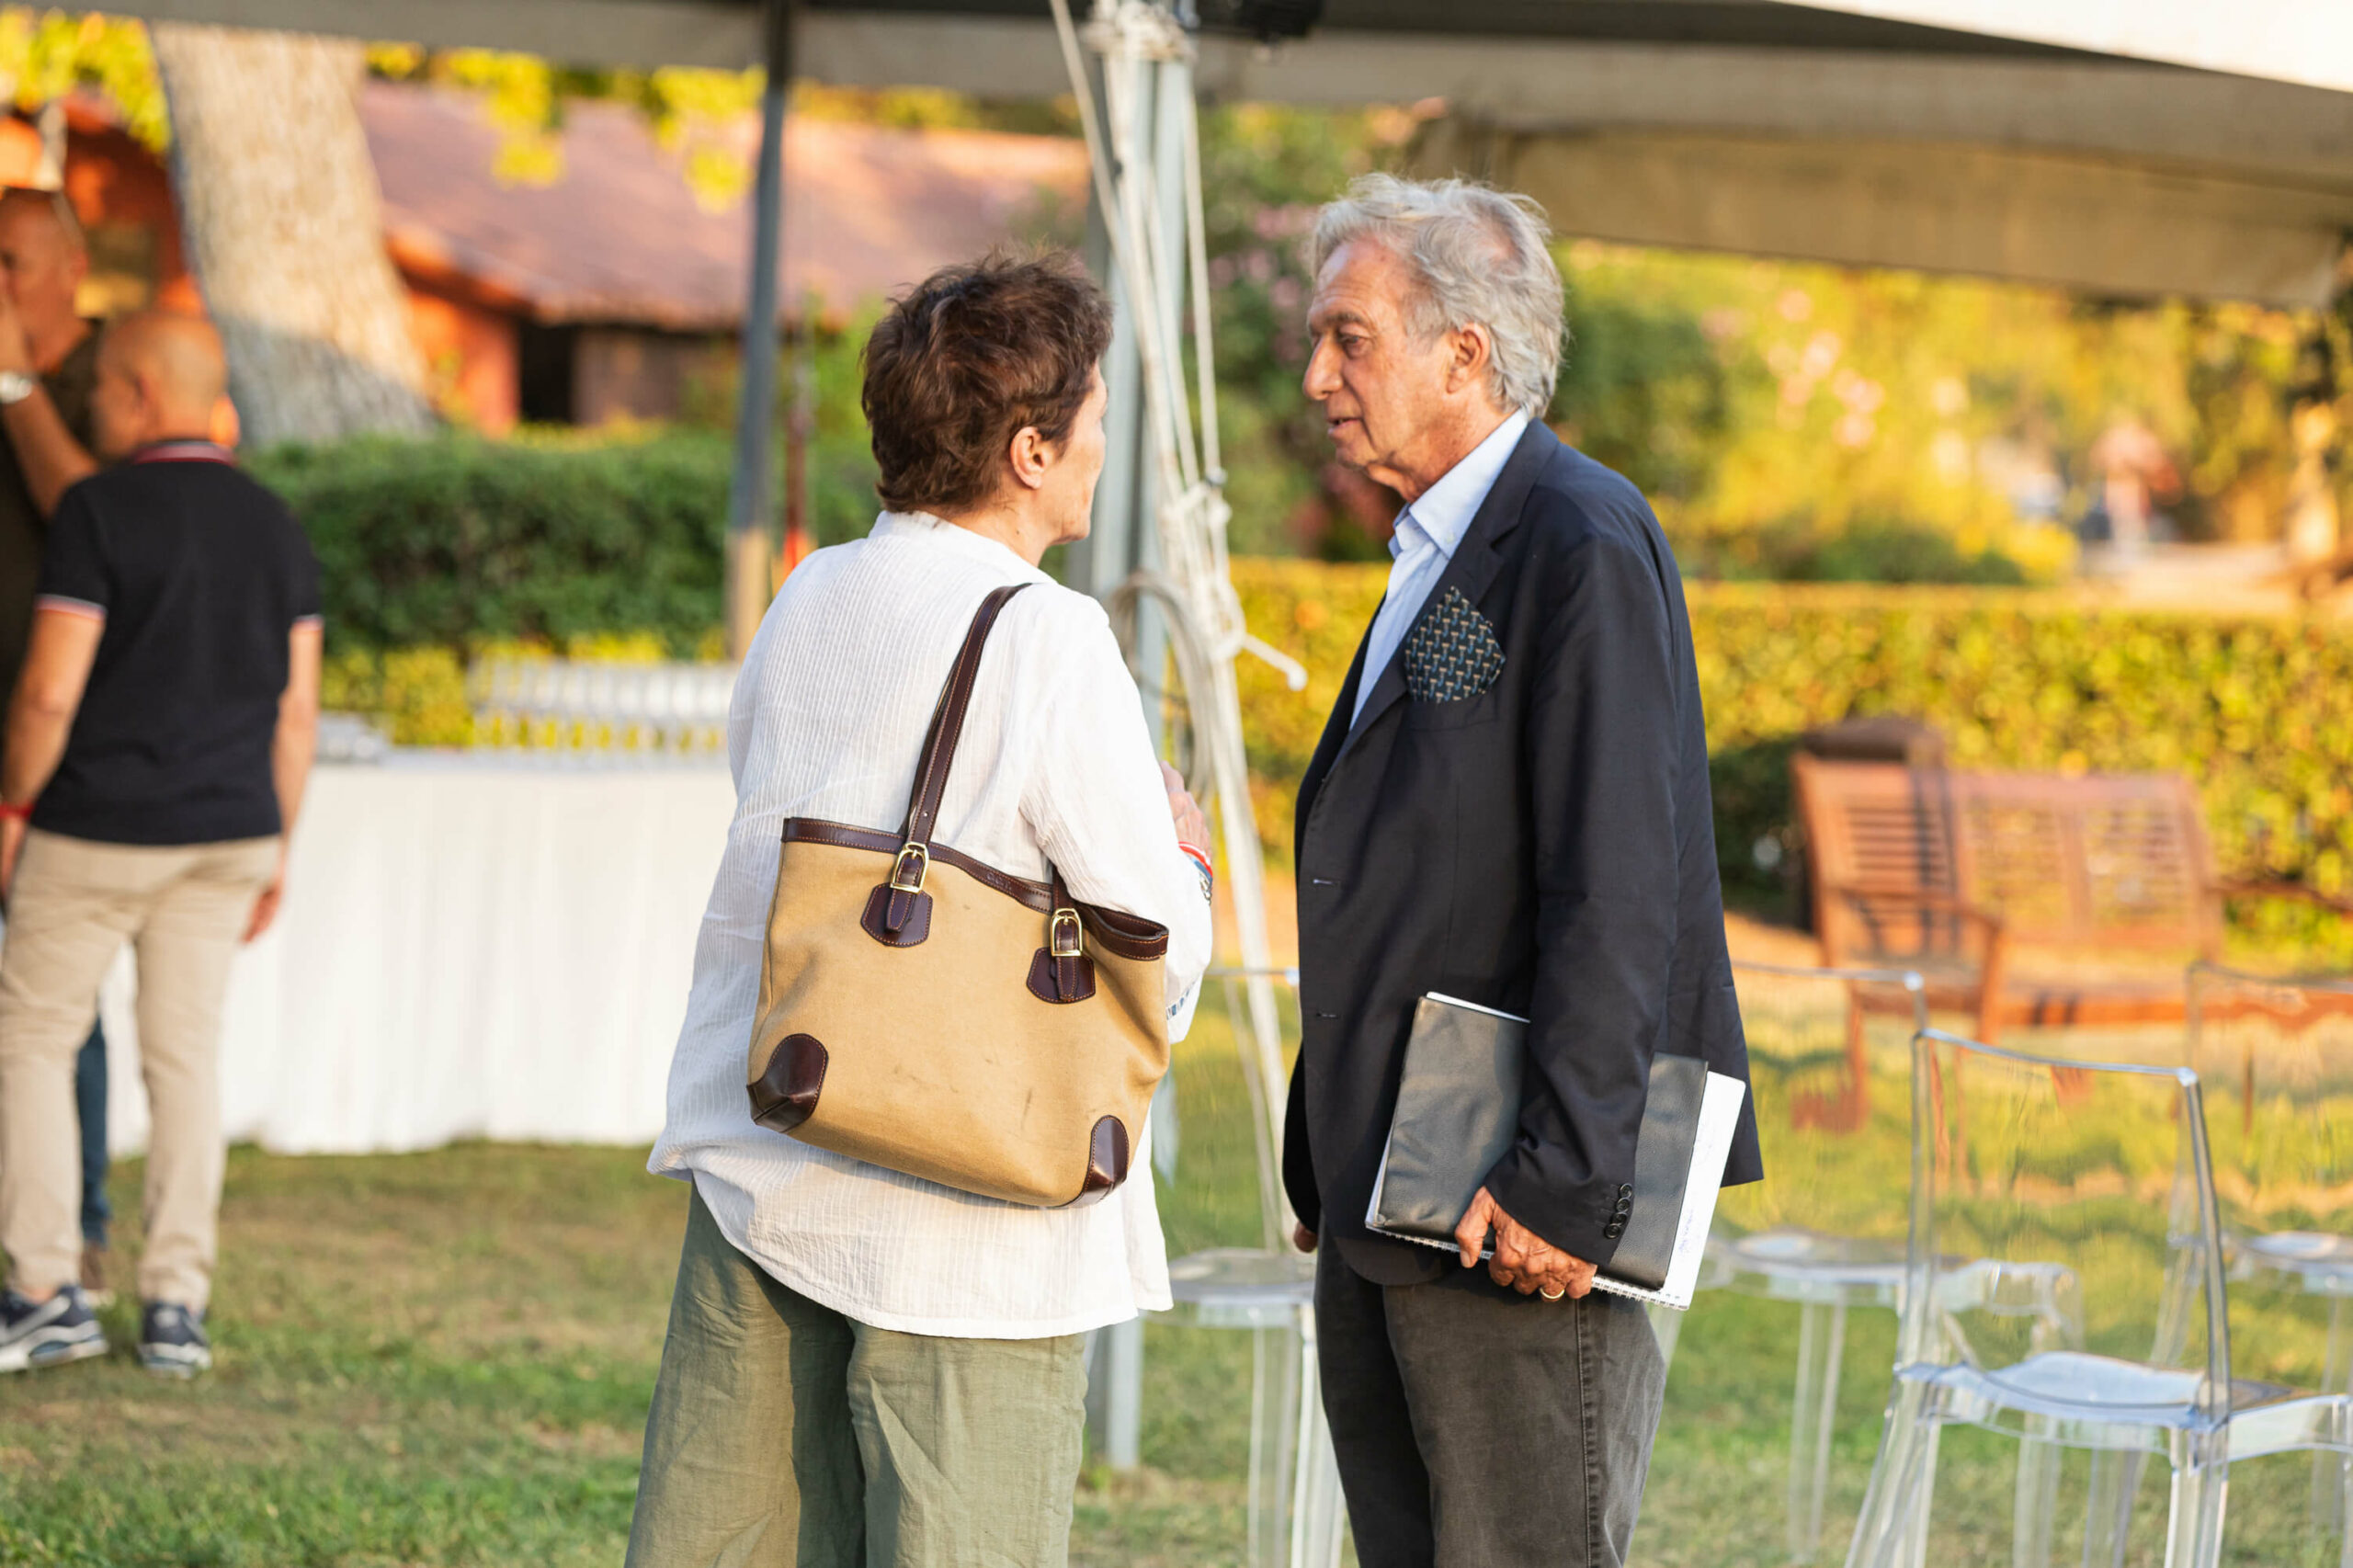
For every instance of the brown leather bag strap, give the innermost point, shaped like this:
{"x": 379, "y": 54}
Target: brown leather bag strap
{"x": 947, "y": 722}
{"x": 1072, "y": 972}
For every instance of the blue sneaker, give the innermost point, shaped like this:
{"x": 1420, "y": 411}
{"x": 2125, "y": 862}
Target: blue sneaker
{"x": 172, "y": 1342}
{"x": 47, "y": 1334}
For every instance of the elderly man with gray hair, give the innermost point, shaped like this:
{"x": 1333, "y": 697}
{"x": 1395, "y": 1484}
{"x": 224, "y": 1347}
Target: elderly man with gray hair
{"x": 1509, "y": 806}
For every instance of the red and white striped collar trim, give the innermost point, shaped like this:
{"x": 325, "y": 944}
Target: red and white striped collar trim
{"x": 184, "y": 452}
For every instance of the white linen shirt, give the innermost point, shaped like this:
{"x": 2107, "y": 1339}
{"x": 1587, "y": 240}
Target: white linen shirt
{"x": 827, "y": 720}
{"x": 1426, "y": 536}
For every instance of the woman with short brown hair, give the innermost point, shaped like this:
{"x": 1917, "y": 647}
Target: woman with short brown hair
{"x": 864, "y": 1367}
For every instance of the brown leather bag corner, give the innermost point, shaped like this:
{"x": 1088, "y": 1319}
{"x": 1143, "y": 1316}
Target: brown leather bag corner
{"x": 924, "y": 1012}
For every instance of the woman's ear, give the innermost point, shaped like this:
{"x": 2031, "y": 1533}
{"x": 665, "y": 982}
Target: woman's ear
{"x": 1030, "y": 456}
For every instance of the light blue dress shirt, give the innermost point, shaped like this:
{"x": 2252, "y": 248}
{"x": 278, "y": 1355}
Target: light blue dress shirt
{"x": 1428, "y": 534}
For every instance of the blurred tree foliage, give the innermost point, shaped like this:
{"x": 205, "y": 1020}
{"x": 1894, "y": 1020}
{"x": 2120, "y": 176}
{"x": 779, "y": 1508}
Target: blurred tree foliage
{"x": 47, "y": 54}
{"x": 1263, "y": 171}
{"x": 1876, "y": 422}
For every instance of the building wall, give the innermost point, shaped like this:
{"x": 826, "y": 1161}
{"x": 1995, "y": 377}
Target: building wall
{"x": 123, "y": 197}
{"x": 631, "y": 373}
{"x": 471, "y": 357}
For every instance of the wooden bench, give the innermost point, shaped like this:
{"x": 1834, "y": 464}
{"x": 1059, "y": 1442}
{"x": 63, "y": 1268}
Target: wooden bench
{"x": 2028, "y": 899}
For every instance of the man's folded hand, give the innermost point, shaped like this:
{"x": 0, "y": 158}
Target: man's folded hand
{"x": 1523, "y": 1260}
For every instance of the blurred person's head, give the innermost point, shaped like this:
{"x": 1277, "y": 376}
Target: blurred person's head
{"x": 161, "y": 377}
{"x": 42, "y": 260}
{"x": 986, "y": 402}
{"x": 1436, "y": 313}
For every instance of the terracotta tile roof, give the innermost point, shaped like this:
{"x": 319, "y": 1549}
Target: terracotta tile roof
{"x": 620, "y": 237}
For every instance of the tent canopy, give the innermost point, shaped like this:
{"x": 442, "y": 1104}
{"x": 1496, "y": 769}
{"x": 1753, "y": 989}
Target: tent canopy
{"x": 2308, "y": 41}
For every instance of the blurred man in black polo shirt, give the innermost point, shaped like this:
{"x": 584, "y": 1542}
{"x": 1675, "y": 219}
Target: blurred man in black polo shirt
{"x": 49, "y": 359}
{"x": 157, "y": 748}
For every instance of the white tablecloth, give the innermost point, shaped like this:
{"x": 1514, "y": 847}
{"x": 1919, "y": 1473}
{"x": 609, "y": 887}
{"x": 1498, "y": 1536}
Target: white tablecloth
{"x": 469, "y": 949}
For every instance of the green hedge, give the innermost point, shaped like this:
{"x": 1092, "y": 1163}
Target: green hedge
{"x": 2258, "y": 711}
{"x": 452, "y": 540}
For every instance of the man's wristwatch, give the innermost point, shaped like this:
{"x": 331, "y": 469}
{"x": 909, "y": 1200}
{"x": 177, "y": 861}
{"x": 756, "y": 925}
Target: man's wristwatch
{"x": 15, "y": 386}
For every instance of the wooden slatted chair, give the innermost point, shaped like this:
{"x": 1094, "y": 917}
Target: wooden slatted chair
{"x": 2028, "y": 899}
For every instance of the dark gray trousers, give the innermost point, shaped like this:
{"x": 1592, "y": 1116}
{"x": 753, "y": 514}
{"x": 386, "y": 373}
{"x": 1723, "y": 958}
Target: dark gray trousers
{"x": 1478, "y": 1428}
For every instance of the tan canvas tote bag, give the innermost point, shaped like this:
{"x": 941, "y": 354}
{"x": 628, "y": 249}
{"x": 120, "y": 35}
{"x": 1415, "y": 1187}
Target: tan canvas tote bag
{"x": 922, "y": 1011}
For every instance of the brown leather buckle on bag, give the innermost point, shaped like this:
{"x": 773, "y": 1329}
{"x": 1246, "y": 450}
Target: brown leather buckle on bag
{"x": 1060, "y": 971}
{"x": 922, "y": 857}
{"x": 898, "y": 914}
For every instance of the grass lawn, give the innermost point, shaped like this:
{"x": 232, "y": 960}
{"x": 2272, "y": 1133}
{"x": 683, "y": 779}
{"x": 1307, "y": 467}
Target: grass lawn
{"x": 446, "y": 1357}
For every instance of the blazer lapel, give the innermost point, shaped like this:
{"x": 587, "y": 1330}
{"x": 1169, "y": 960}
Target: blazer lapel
{"x": 1336, "y": 729}
{"x": 1474, "y": 567}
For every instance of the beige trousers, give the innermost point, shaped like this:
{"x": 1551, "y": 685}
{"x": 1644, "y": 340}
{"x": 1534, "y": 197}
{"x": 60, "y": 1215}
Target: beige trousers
{"x": 72, "y": 907}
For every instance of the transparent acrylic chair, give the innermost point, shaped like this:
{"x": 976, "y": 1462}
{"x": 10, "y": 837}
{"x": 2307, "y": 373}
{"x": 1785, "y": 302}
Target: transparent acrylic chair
{"x": 1295, "y": 1515}
{"x": 2029, "y": 1163}
{"x": 1829, "y": 1058}
{"x": 2276, "y": 1059}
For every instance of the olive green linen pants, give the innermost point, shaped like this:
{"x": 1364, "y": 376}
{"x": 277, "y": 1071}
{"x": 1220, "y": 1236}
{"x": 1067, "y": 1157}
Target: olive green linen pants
{"x": 784, "y": 1435}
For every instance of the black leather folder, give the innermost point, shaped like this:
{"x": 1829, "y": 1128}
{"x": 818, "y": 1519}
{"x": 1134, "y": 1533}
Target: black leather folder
{"x": 1458, "y": 1111}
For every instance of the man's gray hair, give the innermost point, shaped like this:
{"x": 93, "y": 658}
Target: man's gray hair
{"x": 1478, "y": 256}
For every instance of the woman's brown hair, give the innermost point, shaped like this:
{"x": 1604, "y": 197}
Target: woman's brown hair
{"x": 968, "y": 358}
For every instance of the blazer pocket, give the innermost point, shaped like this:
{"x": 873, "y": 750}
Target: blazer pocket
{"x": 1460, "y": 714}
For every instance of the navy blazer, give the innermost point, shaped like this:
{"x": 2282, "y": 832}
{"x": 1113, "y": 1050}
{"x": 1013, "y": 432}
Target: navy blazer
{"x": 1546, "y": 846}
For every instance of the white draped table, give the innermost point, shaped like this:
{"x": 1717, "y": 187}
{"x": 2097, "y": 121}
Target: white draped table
{"x": 471, "y": 947}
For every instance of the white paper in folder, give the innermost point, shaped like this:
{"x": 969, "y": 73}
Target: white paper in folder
{"x": 1710, "y": 1146}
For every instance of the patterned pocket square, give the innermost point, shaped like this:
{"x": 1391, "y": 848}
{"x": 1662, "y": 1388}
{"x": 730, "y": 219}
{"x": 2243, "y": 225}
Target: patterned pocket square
{"x": 1452, "y": 653}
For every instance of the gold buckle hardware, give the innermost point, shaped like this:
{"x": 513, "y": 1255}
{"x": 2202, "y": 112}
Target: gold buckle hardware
{"x": 922, "y": 858}
{"x": 1055, "y": 935}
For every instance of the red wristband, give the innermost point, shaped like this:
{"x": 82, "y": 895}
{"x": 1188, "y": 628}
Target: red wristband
{"x": 1199, "y": 855}
{"x": 16, "y": 813}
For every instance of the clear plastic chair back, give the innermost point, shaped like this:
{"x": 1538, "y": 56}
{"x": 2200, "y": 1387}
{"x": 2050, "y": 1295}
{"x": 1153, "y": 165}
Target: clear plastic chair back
{"x": 2080, "y": 1196}
{"x": 2275, "y": 1058}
